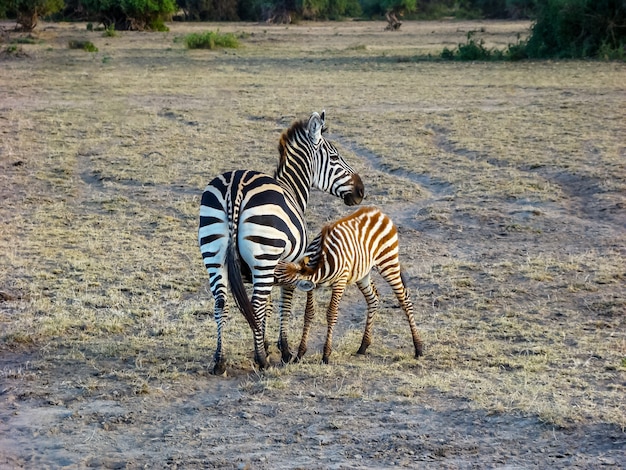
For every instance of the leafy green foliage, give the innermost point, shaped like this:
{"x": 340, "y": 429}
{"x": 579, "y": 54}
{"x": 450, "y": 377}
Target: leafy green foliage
{"x": 475, "y": 50}
{"x": 503, "y": 8}
{"x": 131, "y": 14}
{"x": 27, "y": 12}
{"x": 329, "y": 9}
{"x": 579, "y": 28}
{"x": 84, "y": 45}
{"x": 110, "y": 31}
{"x": 568, "y": 29}
{"x": 209, "y": 10}
{"x": 211, "y": 40}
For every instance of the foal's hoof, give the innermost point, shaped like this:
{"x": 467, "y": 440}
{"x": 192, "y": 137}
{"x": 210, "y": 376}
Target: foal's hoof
{"x": 287, "y": 357}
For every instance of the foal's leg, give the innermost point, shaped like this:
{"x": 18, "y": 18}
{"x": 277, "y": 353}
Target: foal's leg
{"x": 331, "y": 316}
{"x": 366, "y": 285}
{"x": 309, "y": 313}
{"x": 394, "y": 278}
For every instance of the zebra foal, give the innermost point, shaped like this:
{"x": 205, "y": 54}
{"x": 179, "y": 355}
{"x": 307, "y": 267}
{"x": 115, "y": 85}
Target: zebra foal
{"x": 249, "y": 221}
{"x": 344, "y": 253}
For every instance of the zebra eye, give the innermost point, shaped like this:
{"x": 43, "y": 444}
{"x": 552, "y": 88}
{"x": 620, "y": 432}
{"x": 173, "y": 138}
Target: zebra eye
{"x": 334, "y": 157}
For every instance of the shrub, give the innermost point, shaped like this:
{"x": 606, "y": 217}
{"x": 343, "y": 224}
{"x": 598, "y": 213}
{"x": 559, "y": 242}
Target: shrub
{"x": 578, "y": 28}
{"x": 28, "y": 11}
{"x": 126, "y": 15}
{"x": 110, "y": 31}
{"x": 209, "y": 10}
{"x": 210, "y": 40}
{"x": 84, "y": 45}
{"x": 475, "y": 50}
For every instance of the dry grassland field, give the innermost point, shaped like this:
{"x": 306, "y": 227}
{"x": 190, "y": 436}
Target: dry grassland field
{"x": 507, "y": 182}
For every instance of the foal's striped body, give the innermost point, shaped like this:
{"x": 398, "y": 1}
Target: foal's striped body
{"x": 343, "y": 253}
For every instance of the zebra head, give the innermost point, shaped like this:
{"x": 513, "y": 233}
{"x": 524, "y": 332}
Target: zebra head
{"x": 331, "y": 173}
{"x": 294, "y": 274}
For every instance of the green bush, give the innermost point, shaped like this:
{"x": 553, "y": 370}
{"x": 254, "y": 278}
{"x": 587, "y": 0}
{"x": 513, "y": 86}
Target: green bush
{"x": 126, "y": 15}
{"x": 474, "y": 49}
{"x": 211, "y": 40}
{"x": 84, "y": 45}
{"x": 110, "y": 31}
{"x": 28, "y": 12}
{"x": 578, "y": 28}
{"x": 209, "y": 10}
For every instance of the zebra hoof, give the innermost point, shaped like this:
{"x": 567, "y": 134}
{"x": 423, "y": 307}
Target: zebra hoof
{"x": 262, "y": 362}
{"x": 325, "y": 360}
{"x": 219, "y": 368}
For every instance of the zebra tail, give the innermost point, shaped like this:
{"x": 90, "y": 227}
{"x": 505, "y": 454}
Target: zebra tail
{"x": 237, "y": 287}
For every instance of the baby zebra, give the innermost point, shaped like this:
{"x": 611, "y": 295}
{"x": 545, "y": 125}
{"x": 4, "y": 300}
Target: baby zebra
{"x": 344, "y": 253}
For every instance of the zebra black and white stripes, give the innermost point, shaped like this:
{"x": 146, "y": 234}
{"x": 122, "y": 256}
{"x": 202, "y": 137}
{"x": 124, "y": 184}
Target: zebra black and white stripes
{"x": 344, "y": 253}
{"x": 249, "y": 221}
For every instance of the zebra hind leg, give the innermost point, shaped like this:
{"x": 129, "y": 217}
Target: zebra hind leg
{"x": 221, "y": 314}
{"x": 368, "y": 289}
{"x": 286, "y": 299}
{"x": 259, "y": 304}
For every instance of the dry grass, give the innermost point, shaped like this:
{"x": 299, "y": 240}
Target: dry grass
{"x": 507, "y": 182}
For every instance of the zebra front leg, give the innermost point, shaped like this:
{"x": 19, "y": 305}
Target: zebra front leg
{"x": 331, "y": 317}
{"x": 309, "y": 313}
{"x": 284, "y": 309}
{"x": 370, "y": 293}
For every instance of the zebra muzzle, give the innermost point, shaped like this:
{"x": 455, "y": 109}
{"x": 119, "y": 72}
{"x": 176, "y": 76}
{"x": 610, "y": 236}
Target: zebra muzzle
{"x": 355, "y": 197}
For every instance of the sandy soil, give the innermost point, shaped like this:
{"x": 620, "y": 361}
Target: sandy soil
{"x": 208, "y": 422}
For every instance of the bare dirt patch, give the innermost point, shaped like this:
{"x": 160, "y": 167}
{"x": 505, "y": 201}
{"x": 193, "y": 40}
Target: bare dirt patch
{"x": 507, "y": 183}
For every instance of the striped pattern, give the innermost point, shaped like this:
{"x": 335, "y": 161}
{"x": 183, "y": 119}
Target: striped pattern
{"x": 344, "y": 253}
{"x": 249, "y": 221}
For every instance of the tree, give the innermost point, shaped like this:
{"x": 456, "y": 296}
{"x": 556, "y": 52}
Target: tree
{"x": 27, "y": 12}
{"x": 131, "y": 14}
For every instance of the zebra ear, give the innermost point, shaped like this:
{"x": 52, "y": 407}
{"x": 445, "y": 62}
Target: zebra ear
{"x": 305, "y": 285}
{"x": 315, "y": 127}
{"x": 323, "y": 119}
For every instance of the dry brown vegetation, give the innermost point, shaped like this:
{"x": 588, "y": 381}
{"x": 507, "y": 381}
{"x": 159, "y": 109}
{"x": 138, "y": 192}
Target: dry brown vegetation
{"x": 507, "y": 182}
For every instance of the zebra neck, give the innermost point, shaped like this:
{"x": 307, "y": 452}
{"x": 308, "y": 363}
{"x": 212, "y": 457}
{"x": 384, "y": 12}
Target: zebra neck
{"x": 296, "y": 181}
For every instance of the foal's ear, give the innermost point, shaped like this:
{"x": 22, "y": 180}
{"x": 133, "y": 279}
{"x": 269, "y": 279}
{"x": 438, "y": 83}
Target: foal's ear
{"x": 305, "y": 285}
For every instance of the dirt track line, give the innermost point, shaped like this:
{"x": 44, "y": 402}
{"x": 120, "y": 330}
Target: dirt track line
{"x": 434, "y": 186}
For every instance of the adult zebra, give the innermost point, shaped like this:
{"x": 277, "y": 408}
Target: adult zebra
{"x": 343, "y": 253}
{"x": 250, "y": 220}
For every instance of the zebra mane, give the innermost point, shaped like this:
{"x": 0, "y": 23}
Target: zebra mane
{"x": 289, "y": 135}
